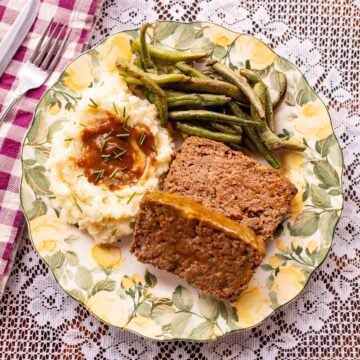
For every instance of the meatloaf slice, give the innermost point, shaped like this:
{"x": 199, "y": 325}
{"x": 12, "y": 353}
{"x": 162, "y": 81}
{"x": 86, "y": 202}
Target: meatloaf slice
{"x": 230, "y": 183}
{"x": 206, "y": 249}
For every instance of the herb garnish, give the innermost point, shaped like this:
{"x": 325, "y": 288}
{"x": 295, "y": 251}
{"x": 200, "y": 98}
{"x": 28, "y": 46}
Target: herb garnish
{"x": 93, "y": 104}
{"x": 77, "y": 205}
{"x": 68, "y": 139}
{"x": 124, "y": 112}
{"x": 103, "y": 145}
{"x": 99, "y": 174}
{"x": 115, "y": 108}
{"x": 142, "y": 138}
{"x": 107, "y": 134}
{"x": 117, "y": 155}
{"x": 130, "y": 198}
{"x": 122, "y": 135}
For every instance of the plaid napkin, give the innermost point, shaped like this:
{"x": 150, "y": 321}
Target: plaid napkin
{"x": 79, "y": 15}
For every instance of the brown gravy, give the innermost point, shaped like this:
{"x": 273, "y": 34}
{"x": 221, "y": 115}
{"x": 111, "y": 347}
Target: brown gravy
{"x": 115, "y": 154}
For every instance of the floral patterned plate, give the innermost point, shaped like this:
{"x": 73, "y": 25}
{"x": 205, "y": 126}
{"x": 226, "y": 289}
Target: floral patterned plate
{"x": 125, "y": 293}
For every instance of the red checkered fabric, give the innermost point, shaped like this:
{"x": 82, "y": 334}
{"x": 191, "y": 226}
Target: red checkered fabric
{"x": 79, "y": 15}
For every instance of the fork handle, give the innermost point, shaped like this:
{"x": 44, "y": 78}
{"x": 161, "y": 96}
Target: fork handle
{"x": 9, "y": 107}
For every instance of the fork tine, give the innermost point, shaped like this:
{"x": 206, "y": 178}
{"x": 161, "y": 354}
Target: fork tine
{"x": 47, "y": 45}
{"x": 52, "y": 50}
{"x": 56, "y": 59}
{"x": 38, "y": 45}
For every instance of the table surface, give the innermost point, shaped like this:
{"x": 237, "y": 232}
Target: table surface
{"x": 38, "y": 321}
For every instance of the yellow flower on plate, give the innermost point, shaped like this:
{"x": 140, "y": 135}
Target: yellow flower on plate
{"x": 117, "y": 46}
{"x": 107, "y": 256}
{"x": 129, "y": 282}
{"x": 219, "y": 37}
{"x": 280, "y": 245}
{"x": 53, "y": 110}
{"x": 288, "y": 283}
{"x": 312, "y": 246}
{"x": 295, "y": 243}
{"x": 144, "y": 325}
{"x": 108, "y": 307}
{"x": 293, "y": 169}
{"x": 260, "y": 56}
{"x": 80, "y": 74}
{"x": 274, "y": 261}
{"x": 252, "y": 306}
{"x": 47, "y": 231}
{"x": 47, "y": 246}
{"x": 313, "y": 121}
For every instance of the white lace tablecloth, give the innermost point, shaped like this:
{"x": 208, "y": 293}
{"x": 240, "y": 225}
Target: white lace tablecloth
{"x": 38, "y": 321}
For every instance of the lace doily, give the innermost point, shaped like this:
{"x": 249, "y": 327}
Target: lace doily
{"x": 38, "y": 321}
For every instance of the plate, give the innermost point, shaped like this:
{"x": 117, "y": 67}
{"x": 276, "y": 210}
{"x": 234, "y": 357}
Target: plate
{"x": 108, "y": 280}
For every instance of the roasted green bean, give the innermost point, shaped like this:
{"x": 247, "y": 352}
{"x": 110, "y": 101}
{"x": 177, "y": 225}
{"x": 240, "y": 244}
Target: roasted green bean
{"x": 250, "y": 76}
{"x": 188, "y": 70}
{"x": 198, "y": 100}
{"x": 282, "y": 84}
{"x": 270, "y": 139}
{"x": 252, "y": 135}
{"x": 148, "y": 64}
{"x": 158, "y": 79}
{"x": 225, "y": 128}
{"x": 238, "y": 147}
{"x": 160, "y": 97}
{"x": 169, "y": 55}
{"x": 212, "y": 86}
{"x": 205, "y": 115}
{"x": 202, "y": 132}
{"x": 242, "y": 84}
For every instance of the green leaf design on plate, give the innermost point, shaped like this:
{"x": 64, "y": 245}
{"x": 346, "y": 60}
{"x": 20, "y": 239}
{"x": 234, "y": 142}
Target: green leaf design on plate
{"x": 144, "y": 309}
{"x": 305, "y": 224}
{"x": 182, "y": 298}
{"x": 327, "y": 224}
{"x": 103, "y": 285}
{"x": 203, "y": 331}
{"x": 37, "y": 134}
{"x": 162, "y": 314}
{"x": 305, "y": 194}
{"x": 55, "y": 127}
{"x": 77, "y": 294}
{"x": 56, "y": 260}
{"x": 319, "y": 197}
{"x": 326, "y": 173}
{"x": 37, "y": 180}
{"x": 179, "y": 323}
{"x": 227, "y": 311}
{"x": 150, "y": 279}
{"x": 39, "y": 208}
{"x": 83, "y": 278}
{"x": 164, "y": 30}
{"x": 72, "y": 258}
{"x": 323, "y": 146}
{"x": 209, "y": 307}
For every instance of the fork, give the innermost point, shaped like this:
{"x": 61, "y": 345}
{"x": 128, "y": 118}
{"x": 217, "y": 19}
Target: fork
{"x": 41, "y": 64}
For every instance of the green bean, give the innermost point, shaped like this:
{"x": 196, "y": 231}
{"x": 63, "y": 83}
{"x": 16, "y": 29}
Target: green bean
{"x": 212, "y": 86}
{"x": 205, "y": 115}
{"x": 249, "y": 145}
{"x": 172, "y": 93}
{"x": 138, "y": 62}
{"x": 199, "y": 100}
{"x": 225, "y": 128}
{"x": 160, "y": 97}
{"x": 188, "y": 70}
{"x": 270, "y": 139}
{"x": 242, "y": 84}
{"x": 148, "y": 64}
{"x": 169, "y": 55}
{"x": 282, "y": 84}
{"x": 202, "y": 132}
{"x": 238, "y": 147}
{"x": 251, "y": 133}
{"x": 250, "y": 76}
{"x": 269, "y": 111}
{"x": 158, "y": 79}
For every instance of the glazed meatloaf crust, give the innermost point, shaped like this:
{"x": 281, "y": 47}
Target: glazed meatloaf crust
{"x": 230, "y": 183}
{"x": 206, "y": 249}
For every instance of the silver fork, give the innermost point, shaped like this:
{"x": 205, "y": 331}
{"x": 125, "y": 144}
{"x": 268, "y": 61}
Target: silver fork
{"x": 41, "y": 64}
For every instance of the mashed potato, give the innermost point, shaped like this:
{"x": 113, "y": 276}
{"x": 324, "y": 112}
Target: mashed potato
{"x": 107, "y": 215}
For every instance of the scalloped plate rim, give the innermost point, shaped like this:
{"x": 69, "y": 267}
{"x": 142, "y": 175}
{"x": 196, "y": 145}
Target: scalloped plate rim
{"x": 275, "y": 311}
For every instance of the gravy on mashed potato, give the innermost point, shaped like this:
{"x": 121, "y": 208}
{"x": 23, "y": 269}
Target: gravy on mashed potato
{"x": 105, "y": 157}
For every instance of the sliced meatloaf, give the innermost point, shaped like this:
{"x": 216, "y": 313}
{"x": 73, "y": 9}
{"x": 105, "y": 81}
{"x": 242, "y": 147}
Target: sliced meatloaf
{"x": 206, "y": 249}
{"x": 230, "y": 183}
